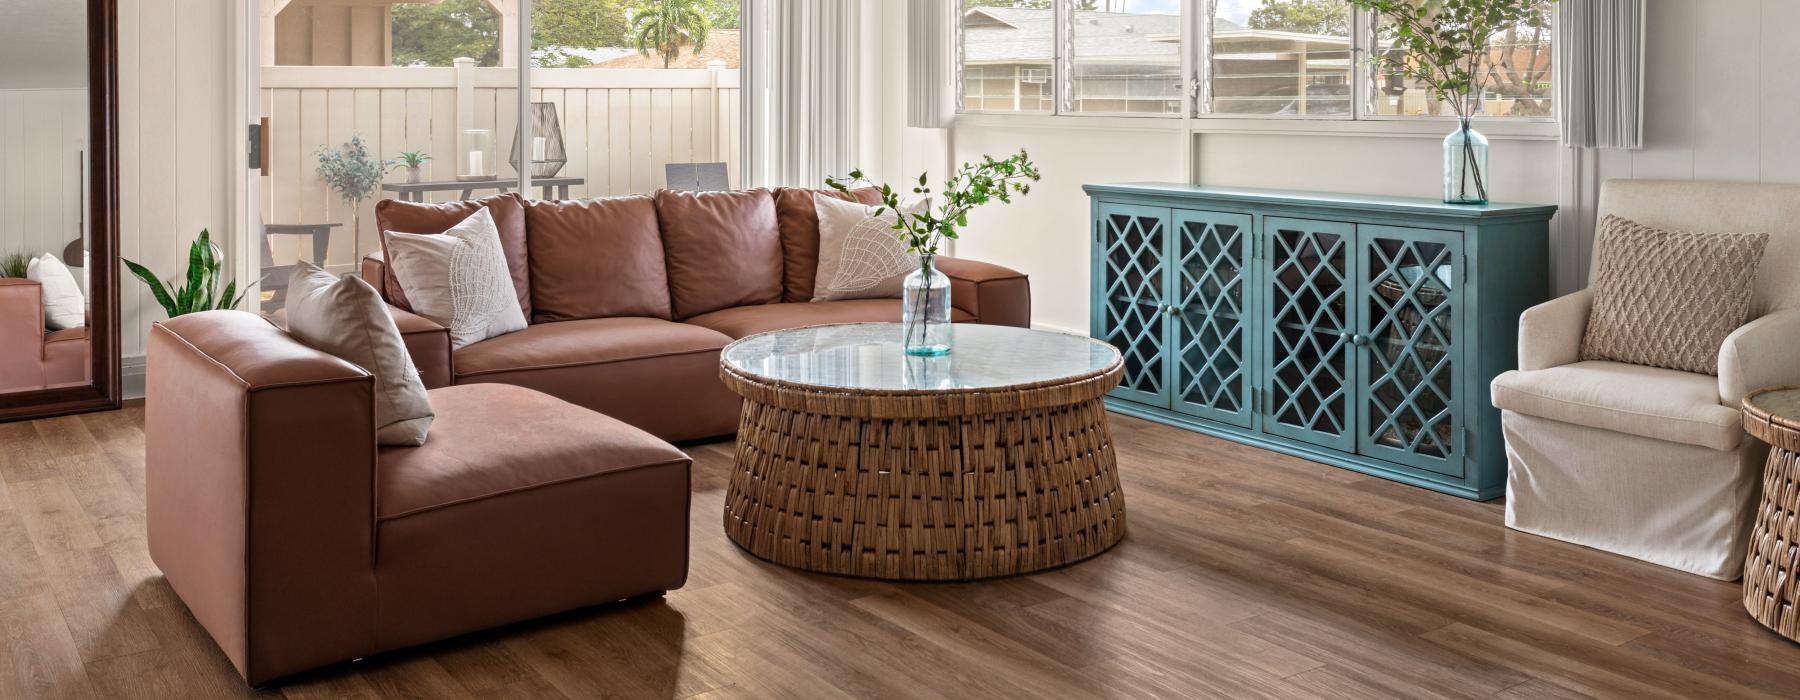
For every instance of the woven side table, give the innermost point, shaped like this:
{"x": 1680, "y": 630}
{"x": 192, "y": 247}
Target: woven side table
{"x": 1771, "y": 589}
{"x": 855, "y": 459}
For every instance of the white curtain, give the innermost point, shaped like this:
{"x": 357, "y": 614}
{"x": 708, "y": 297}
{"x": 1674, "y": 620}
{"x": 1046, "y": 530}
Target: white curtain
{"x": 800, "y": 100}
{"x": 1600, "y": 72}
{"x": 931, "y": 63}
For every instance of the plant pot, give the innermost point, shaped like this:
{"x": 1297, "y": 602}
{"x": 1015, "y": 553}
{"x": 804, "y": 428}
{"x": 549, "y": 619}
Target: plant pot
{"x": 925, "y": 310}
{"x": 414, "y": 175}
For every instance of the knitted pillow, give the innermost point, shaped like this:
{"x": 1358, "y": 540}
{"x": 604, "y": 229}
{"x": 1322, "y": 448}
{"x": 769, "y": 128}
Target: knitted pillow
{"x": 1668, "y": 298}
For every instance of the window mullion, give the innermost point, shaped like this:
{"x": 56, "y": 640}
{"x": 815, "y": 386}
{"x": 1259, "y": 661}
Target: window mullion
{"x": 1061, "y": 65}
{"x": 1361, "y": 69}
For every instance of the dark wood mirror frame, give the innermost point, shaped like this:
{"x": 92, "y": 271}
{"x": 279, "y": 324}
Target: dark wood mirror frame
{"x": 103, "y": 248}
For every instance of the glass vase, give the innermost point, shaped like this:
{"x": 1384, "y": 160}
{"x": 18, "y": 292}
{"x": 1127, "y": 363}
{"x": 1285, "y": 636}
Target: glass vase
{"x": 925, "y": 310}
{"x": 1465, "y": 165}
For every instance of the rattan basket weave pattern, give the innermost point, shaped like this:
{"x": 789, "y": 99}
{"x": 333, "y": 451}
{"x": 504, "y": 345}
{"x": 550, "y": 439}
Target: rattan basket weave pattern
{"x": 1771, "y": 590}
{"x": 925, "y": 485}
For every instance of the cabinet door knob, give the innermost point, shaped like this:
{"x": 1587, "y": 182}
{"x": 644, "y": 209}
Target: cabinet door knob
{"x": 1172, "y": 309}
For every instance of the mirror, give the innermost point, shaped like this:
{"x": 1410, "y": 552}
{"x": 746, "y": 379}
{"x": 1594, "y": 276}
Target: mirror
{"x": 59, "y": 342}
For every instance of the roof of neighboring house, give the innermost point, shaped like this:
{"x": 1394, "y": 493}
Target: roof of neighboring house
{"x": 721, "y": 45}
{"x": 1014, "y": 35}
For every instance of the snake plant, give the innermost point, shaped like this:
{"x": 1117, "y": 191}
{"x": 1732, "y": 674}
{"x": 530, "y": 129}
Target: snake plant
{"x": 201, "y": 289}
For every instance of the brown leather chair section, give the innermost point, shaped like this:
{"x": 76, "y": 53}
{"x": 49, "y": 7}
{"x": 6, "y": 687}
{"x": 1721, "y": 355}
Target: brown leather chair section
{"x": 21, "y": 335}
{"x": 724, "y": 249}
{"x": 750, "y": 320}
{"x": 995, "y": 295}
{"x": 660, "y": 376}
{"x": 67, "y": 357}
{"x": 530, "y": 506}
{"x": 414, "y": 217}
{"x": 799, "y": 224}
{"x": 259, "y": 488}
{"x": 596, "y": 259}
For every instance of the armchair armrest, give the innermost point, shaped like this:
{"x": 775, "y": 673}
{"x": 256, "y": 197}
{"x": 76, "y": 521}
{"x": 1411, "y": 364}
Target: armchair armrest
{"x": 429, "y": 345}
{"x": 1762, "y": 353}
{"x": 993, "y": 294}
{"x": 1550, "y": 333}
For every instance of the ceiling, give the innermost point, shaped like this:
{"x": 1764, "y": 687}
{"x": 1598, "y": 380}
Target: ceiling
{"x": 43, "y": 44}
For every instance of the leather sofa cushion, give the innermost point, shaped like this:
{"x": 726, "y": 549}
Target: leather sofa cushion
{"x": 723, "y": 248}
{"x": 799, "y": 224}
{"x": 1649, "y": 402}
{"x": 596, "y": 259}
{"x": 491, "y": 440}
{"x": 412, "y": 217}
{"x": 750, "y": 320}
{"x": 585, "y": 342}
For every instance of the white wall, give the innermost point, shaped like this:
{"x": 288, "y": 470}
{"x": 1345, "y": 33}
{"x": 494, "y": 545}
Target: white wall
{"x": 1723, "y": 91}
{"x": 43, "y": 134}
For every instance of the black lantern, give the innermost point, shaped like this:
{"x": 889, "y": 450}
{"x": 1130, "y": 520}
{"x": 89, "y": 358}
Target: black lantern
{"x": 547, "y": 153}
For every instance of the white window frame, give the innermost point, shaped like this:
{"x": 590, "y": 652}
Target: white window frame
{"x": 1361, "y": 120}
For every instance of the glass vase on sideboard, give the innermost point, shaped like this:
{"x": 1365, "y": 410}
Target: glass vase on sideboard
{"x": 925, "y": 310}
{"x": 1465, "y": 165}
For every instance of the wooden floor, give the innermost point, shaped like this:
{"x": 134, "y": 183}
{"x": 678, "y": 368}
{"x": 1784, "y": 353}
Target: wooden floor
{"x": 1245, "y": 574}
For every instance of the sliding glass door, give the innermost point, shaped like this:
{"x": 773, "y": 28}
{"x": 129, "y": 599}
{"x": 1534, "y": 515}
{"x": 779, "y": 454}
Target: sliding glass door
{"x": 458, "y": 99}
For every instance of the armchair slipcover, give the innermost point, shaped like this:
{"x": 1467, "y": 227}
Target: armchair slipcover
{"x": 1646, "y": 462}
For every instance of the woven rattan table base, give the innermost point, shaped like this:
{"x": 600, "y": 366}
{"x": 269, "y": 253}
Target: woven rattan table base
{"x": 929, "y": 494}
{"x": 1771, "y": 590}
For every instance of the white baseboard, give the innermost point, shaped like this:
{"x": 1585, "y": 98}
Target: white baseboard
{"x": 131, "y": 377}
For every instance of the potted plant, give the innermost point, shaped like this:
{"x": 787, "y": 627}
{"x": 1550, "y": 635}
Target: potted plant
{"x": 14, "y": 265}
{"x": 1447, "y": 46}
{"x": 200, "y": 292}
{"x": 350, "y": 172}
{"x": 414, "y": 162}
{"x": 925, "y": 299}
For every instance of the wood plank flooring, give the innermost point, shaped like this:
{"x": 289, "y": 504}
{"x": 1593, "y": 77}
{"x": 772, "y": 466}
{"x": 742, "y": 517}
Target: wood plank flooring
{"x": 1245, "y": 574}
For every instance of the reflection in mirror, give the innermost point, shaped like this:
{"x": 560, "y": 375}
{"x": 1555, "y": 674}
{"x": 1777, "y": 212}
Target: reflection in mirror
{"x": 44, "y": 195}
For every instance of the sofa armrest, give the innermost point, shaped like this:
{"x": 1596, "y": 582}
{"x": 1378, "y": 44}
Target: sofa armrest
{"x": 1550, "y": 333}
{"x": 259, "y": 486}
{"x": 374, "y": 271}
{"x": 21, "y": 335}
{"x": 992, "y": 294}
{"x": 1762, "y": 353}
{"x": 429, "y": 345}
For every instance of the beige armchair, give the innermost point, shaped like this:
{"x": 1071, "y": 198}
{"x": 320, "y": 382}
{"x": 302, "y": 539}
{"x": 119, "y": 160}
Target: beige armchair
{"x": 1645, "y": 462}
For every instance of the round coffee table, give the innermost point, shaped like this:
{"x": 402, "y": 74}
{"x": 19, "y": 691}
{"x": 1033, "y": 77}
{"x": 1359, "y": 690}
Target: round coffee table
{"x": 854, "y": 458}
{"x": 1771, "y": 590}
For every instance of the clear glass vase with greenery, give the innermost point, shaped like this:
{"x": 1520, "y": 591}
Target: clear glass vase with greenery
{"x": 1447, "y": 46}
{"x": 925, "y": 301}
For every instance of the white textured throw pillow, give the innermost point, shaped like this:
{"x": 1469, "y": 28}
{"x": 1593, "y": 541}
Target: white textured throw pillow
{"x": 860, "y": 253}
{"x": 347, "y": 318}
{"x": 64, "y": 305}
{"x": 458, "y": 279}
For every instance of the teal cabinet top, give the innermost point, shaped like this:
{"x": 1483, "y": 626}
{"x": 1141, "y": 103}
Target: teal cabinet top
{"x": 1329, "y": 200}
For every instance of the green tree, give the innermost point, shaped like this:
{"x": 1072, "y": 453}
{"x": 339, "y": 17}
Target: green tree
{"x": 1330, "y": 17}
{"x": 1082, "y": 5}
{"x": 667, "y": 25}
{"x": 557, "y": 26}
{"x": 436, "y": 34}
{"x": 725, "y": 14}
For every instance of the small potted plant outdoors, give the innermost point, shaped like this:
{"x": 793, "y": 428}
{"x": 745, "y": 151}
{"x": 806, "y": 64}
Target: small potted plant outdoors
{"x": 414, "y": 162}
{"x": 925, "y": 297}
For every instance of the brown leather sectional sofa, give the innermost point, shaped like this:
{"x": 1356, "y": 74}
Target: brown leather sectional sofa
{"x": 631, "y": 298}
{"x": 30, "y": 357}
{"x": 298, "y": 542}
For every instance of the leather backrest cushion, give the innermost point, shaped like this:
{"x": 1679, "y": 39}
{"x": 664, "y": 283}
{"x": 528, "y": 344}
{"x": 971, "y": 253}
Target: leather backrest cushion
{"x": 414, "y": 217}
{"x": 724, "y": 249}
{"x": 597, "y": 258}
{"x": 799, "y": 223}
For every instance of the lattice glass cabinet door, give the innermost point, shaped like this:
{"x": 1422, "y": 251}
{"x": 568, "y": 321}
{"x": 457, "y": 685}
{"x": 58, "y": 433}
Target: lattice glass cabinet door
{"x": 1307, "y": 369}
{"x": 1409, "y": 360}
{"x": 1210, "y": 324}
{"x": 1130, "y": 280}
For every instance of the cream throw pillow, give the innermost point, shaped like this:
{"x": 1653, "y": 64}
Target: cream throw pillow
{"x": 347, "y": 318}
{"x": 64, "y": 305}
{"x": 458, "y": 279}
{"x": 1669, "y": 298}
{"x": 860, "y": 253}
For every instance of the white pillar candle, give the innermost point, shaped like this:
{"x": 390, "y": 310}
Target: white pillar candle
{"x": 475, "y": 163}
{"x": 539, "y": 145}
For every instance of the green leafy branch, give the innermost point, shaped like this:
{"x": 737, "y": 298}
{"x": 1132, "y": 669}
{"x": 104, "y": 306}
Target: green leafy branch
{"x": 971, "y": 186}
{"x": 1446, "y": 45}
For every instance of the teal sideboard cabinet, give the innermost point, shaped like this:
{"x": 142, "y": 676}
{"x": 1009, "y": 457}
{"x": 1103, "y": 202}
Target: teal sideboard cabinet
{"x": 1358, "y": 331}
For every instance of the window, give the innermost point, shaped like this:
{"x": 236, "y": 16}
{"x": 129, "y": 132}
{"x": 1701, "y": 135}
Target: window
{"x": 1247, "y": 59}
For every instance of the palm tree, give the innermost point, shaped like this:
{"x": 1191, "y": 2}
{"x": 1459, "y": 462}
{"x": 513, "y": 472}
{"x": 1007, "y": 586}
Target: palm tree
{"x": 667, "y": 25}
